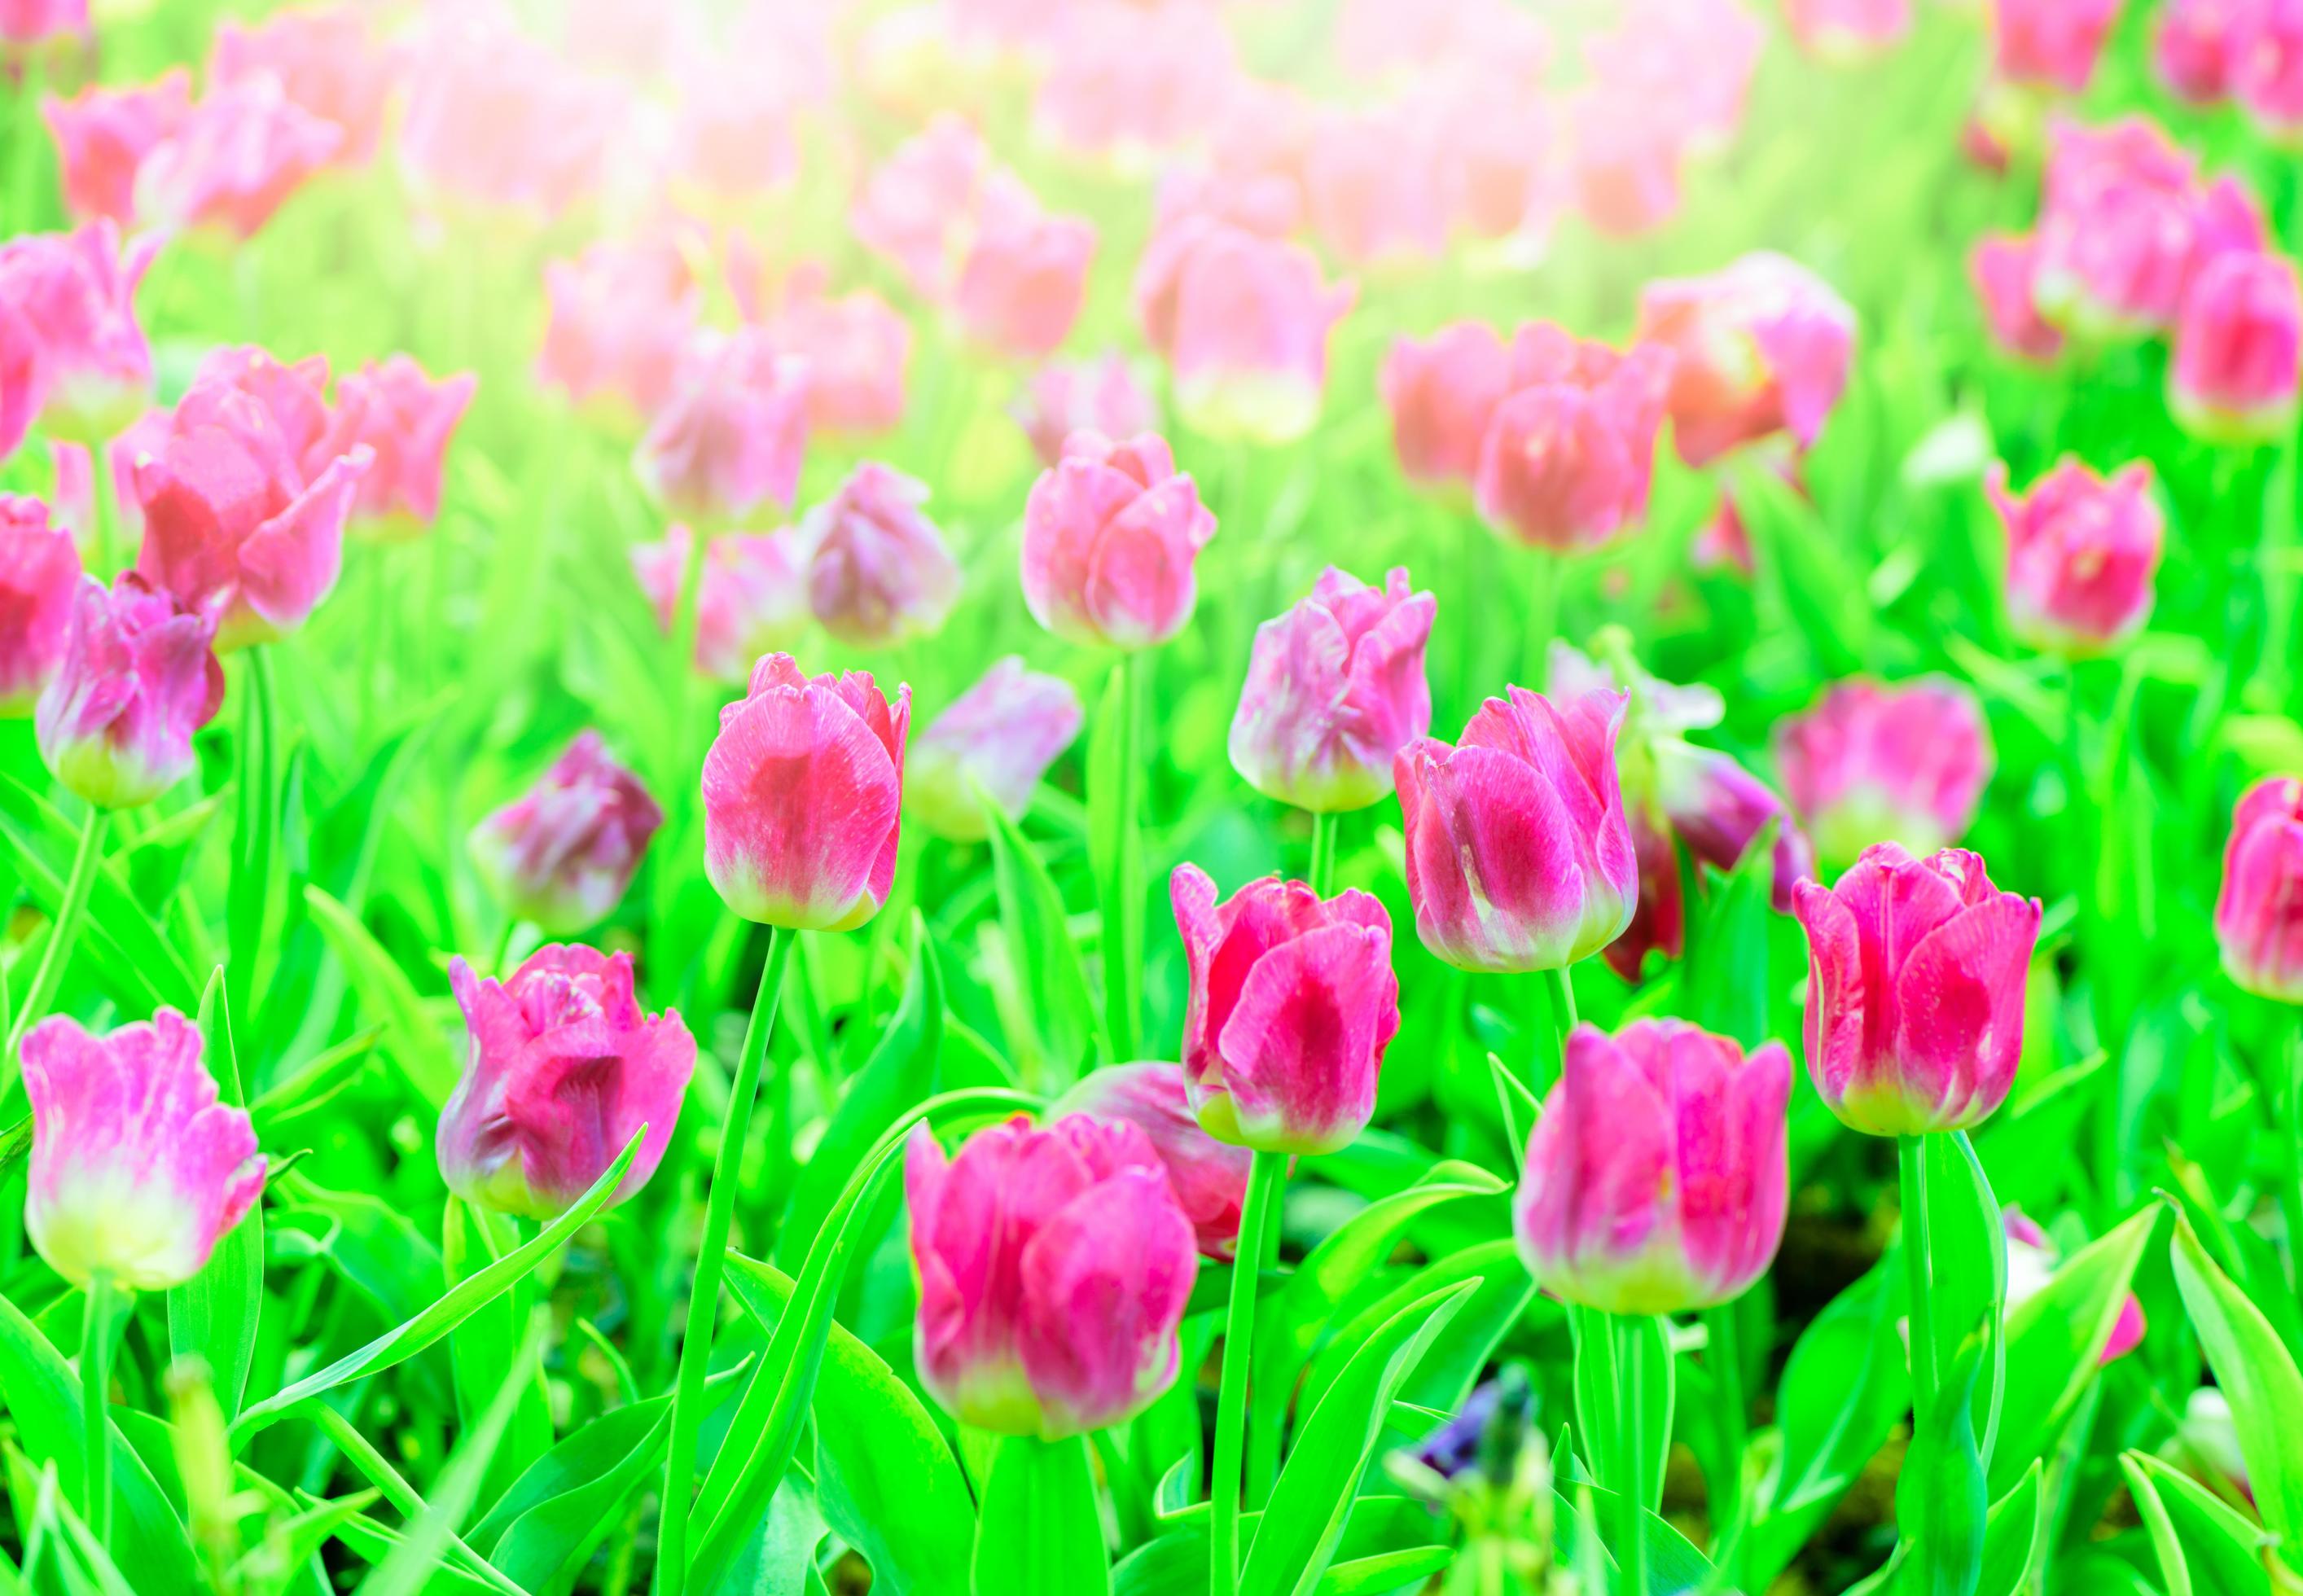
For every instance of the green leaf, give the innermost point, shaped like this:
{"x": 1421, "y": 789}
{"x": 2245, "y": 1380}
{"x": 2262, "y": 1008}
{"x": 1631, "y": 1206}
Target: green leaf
{"x": 214, "y": 1316}
{"x": 1724, "y": 986}
{"x": 2013, "y": 1536}
{"x": 137, "y": 964}
{"x": 1940, "y": 1496}
{"x": 1059, "y": 1027}
{"x": 410, "y": 1039}
{"x": 2204, "y": 1546}
{"x": 1041, "y": 1534}
{"x": 1673, "y": 1564}
{"x": 1447, "y": 1373}
{"x": 2055, "y": 1341}
{"x": 481, "y": 1349}
{"x": 1967, "y": 1237}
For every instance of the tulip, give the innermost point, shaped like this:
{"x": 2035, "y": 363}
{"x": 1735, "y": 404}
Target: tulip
{"x": 2206, "y": 1443}
{"x": 102, "y": 135}
{"x": 1243, "y": 322}
{"x": 802, "y": 790}
{"x": 1334, "y": 689}
{"x": 2237, "y": 347}
{"x": 1848, "y": 29}
{"x": 1916, "y": 969}
{"x": 1129, "y": 83}
{"x": 1873, "y": 762}
{"x": 621, "y": 317}
{"x": 855, "y": 348}
{"x": 1761, "y": 348}
{"x": 245, "y": 148}
{"x": 1568, "y": 457}
{"x": 1372, "y": 181}
{"x": 913, "y": 212}
{"x": 733, "y": 131}
{"x": 24, "y": 23}
{"x": 1442, "y": 391}
{"x": 878, "y": 570}
{"x": 1025, "y": 275}
{"x": 562, "y": 854}
{"x": 1101, "y": 395}
{"x": 326, "y": 62}
{"x": 1685, "y": 66}
{"x": 2199, "y": 44}
{"x": 39, "y": 579}
{"x": 729, "y": 438}
{"x": 1497, "y": 150}
{"x": 2003, "y": 268}
{"x": 1109, "y": 536}
{"x": 1054, "y": 1267}
{"x": 2259, "y": 911}
{"x": 562, "y": 1069}
{"x": 1519, "y": 854}
{"x": 751, "y": 595}
{"x": 1208, "y": 1177}
{"x": 2032, "y": 1260}
{"x": 2050, "y": 44}
{"x": 406, "y": 418}
{"x": 1657, "y": 1179}
{"x": 1626, "y": 161}
{"x": 137, "y": 1170}
{"x": 2081, "y": 552}
{"x": 138, "y": 677}
{"x": 993, "y": 743}
{"x": 496, "y": 119}
{"x": 1378, "y": 40}
{"x": 2267, "y": 74}
{"x": 1718, "y": 808}
{"x": 1293, "y": 1002}
{"x": 84, "y": 369}
{"x": 73, "y": 507}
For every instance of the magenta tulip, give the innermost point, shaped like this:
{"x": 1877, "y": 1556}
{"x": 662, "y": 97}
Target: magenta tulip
{"x": 2260, "y": 912}
{"x": 2082, "y": 553}
{"x": 855, "y": 348}
{"x": 2239, "y": 349}
{"x": 751, "y": 597}
{"x": 138, "y": 677}
{"x": 1567, "y": 456}
{"x": 878, "y": 570}
{"x": 621, "y": 316}
{"x": 993, "y": 743}
{"x": 325, "y": 59}
{"x": 39, "y": 578}
{"x": 730, "y": 437}
{"x": 1101, "y": 395}
{"x": 102, "y": 136}
{"x": 2197, "y": 45}
{"x": 2032, "y": 1259}
{"x": 1873, "y": 761}
{"x": 1441, "y": 392}
{"x": 242, "y": 154}
{"x": 1109, "y": 536}
{"x": 67, "y": 303}
{"x": 1208, "y": 1177}
{"x": 562, "y": 855}
{"x": 2049, "y": 44}
{"x": 407, "y": 419}
{"x": 1758, "y": 348}
{"x": 26, "y": 23}
{"x": 1025, "y": 276}
{"x": 2267, "y": 75}
{"x": 2004, "y": 268}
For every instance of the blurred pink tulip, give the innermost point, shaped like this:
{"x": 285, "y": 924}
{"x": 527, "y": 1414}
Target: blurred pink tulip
{"x": 2237, "y": 344}
{"x": 621, "y": 316}
{"x": 245, "y": 148}
{"x": 1372, "y": 176}
{"x": 2260, "y": 912}
{"x": 1334, "y": 689}
{"x": 1101, "y": 395}
{"x": 1685, "y": 65}
{"x": 1109, "y": 536}
{"x": 1382, "y": 40}
{"x": 1293, "y": 1002}
{"x": 1251, "y": 172}
{"x": 878, "y": 570}
{"x": 73, "y": 503}
{"x": 1718, "y": 808}
{"x": 2082, "y": 553}
{"x": 137, "y": 1170}
{"x": 562, "y": 854}
{"x": 1568, "y": 455}
{"x": 2267, "y": 73}
{"x": 1501, "y": 167}
{"x": 102, "y": 136}
{"x": 26, "y": 22}
{"x": 803, "y": 793}
{"x": 2197, "y": 45}
{"x": 1758, "y": 348}
{"x": 1129, "y": 82}
{"x": 1024, "y": 276}
{"x": 325, "y": 59}
{"x": 1519, "y": 854}
{"x": 495, "y": 119}
{"x": 2049, "y": 44}
{"x": 563, "y": 1068}
{"x": 994, "y": 742}
{"x": 1873, "y": 762}
{"x": 1916, "y": 970}
{"x": 2032, "y": 1259}
{"x": 2004, "y": 267}
{"x": 1657, "y": 1179}
{"x": 1442, "y": 391}
{"x": 914, "y": 210}
{"x": 1848, "y": 29}
{"x": 1624, "y": 162}
{"x": 855, "y": 348}
{"x": 407, "y": 419}
{"x": 39, "y": 576}
{"x": 1208, "y": 1177}
{"x": 751, "y": 597}
{"x": 1054, "y": 1267}
{"x": 71, "y": 355}
{"x": 732, "y": 134}
{"x": 730, "y": 437}
{"x": 138, "y": 677}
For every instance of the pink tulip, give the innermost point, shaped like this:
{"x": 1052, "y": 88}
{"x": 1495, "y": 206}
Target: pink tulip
{"x": 27, "y": 22}
{"x": 562, "y": 1069}
{"x": 2237, "y": 347}
{"x": 102, "y": 136}
{"x": 1442, "y": 391}
{"x": 1873, "y": 762}
{"x": 1334, "y": 689}
{"x": 1372, "y": 179}
{"x": 2267, "y": 74}
{"x": 1251, "y": 175}
{"x": 878, "y": 570}
{"x": 729, "y": 438}
{"x": 855, "y": 348}
{"x": 1519, "y": 854}
{"x": 1025, "y": 275}
{"x": 2004, "y": 267}
{"x": 1500, "y": 162}
{"x": 562, "y": 854}
{"x": 243, "y": 151}
{"x": 1568, "y": 457}
{"x": 2260, "y": 912}
{"x": 325, "y": 61}
{"x": 1109, "y": 536}
{"x": 80, "y": 366}
{"x": 1848, "y": 29}
{"x": 1658, "y": 1179}
{"x": 1381, "y": 40}
{"x": 2082, "y": 553}
{"x": 1242, "y": 323}
{"x": 733, "y": 132}
{"x": 138, "y": 677}
{"x": 994, "y": 742}
{"x": 1761, "y": 348}
{"x": 1208, "y": 1177}
{"x": 407, "y": 419}
{"x": 1625, "y": 161}
{"x": 1685, "y": 65}
{"x": 1054, "y": 1267}
{"x": 2050, "y": 44}
{"x": 803, "y": 791}
{"x": 39, "y": 576}
{"x": 495, "y": 119}
{"x": 1916, "y": 969}
{"x": 2032, "y": 1259}
{"x": 1293, "y": 1002}
{"x": 1101, "y": 395}
{"x": 137, "y": 1170}
{"x": 914, "y": 211}
{"x": 2198, "y": 45}
{"x": 1129, "y": 82}
{"x": 751, "y": 597}
{"x": 621, "y": 317}
{"x": 73, "y": 502}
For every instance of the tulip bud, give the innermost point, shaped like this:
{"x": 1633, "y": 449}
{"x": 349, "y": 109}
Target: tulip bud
{"x": 2032, "y": 1259}
{"x": 2050, "y": 44}
{"x": 137, "y": 1169}
{"x": 1334, "y": 689}
{"x": 562, "y": 1069}
{"x": 751, "y": 598}
{"x": 562, "y": 854}
{"x": 621, "y": 317}
{"x": 242, "y": 152}
{"x": 86, "y": 370}
{"x": 1054, "y": 1268}
{"x": 995, "y": 741}
{"x": 1761, "y": 348}
{"x": 407, "y": 419}
{"x": 2003, "y": 269}
{"x": 2199, "y": 44}
{"x": 1657, "y": 1178}
{"x": 878, "y": 571}
{"x": 1441, "y": 392}
{"x": 1025, "y": 276}
{"x": 2260, "y": 912}
{"x": 1875, "y": 761}
{"x": 2081, "y": 552}
{"x": 39, "y": 574}
{"x": 1916, "y": 968}
{"x": 1109, "y": 536}
{"x": 2237, "y": 347}
{"x": 1567, "y": 456}
{"x": 802, "y": 790}
{"x": 1208, "y": 1177}
{"x": 102, "y": 136}
{"x": 1103, "y": 395}
{"x": 1519, "y": 854}
{"x": 138, "y": 677}
{"x": 731, "y": 436}
{"x": 325, "y": 60}
{"x": 1293, "y": 1002}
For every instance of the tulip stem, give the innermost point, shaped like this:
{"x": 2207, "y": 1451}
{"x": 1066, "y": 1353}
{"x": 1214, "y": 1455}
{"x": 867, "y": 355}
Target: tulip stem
{"x": 1911, "y": 1160}
{"x": 1632, "y": 1453}
{"x": 1724, "y": 1362}
{"x": 63, "y": 932}
{"x": 1562, "y": 985}
{"x": 703, "y": 1301}
{"x": 1267, "y": 1178}
{"x": 94, "y": 1398}
{"x": 1123, "y": 902}
{"x": 1323, "y": 853}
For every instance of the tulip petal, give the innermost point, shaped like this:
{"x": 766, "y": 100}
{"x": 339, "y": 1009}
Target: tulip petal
{"x": 1098, "y": 1332}
{"x": 1301, "y": 1046}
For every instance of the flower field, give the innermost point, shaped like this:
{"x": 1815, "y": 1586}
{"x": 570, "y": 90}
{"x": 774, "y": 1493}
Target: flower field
{"x": 1150, "y": 798}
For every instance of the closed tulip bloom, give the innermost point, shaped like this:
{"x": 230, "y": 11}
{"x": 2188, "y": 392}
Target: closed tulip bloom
{"x": 495, "y": 119}
{"x": 1718, "y": 808}
{"x": 39, "y": 579}
{"x": 2003, "y": 268}
{"x": 1625, "y": 161}
{"x": 1293, "y": 1002}
{"x": 2267, "y": 76}
{"x": 621, "y": 316}
{"x": 1848, "y": 29}
{"x": 1568, "y": 457}
{"x": 1025, "y": 276}
{"x": 325, "y": 61}
{"x": 1686, "y": 64}
{"x": 2081, "y": 553}
{"x": 1334, "y": 689}
{"x": 751, "y": 597}
{"x": 732, "y": 131}
{"x": 1657, "y": 1178}
{"x": 406, "y": 418}
{"x": 1101, "y": 395}
{"x": 562, "y": 854}
{"x": 1208, "y": 1177}
{"x": 138, "y": 677}
{"x": 2050, "y": 44}
{"x": 1875, "y": 761}
{"x": 731, "y": 436}
{"x": 2259, "y": 913}
{"x": 102, "y": 136}
{"x": 1109, "y": 536}
{"x": 1916, "y": 968}
{"x": 137, "y": 1170}
{"x": 912, "y": 211}
{"x": 1441, "y": 391}
{"x": 878, "y": 570}
{"x": 243, "y": 151}
{"x": 1054, "y": 1268}
{"x": 1373, "y": 180}
{"x": 802, "y": 794}
{"x": 993, "y": 743}
{"x": 26, "y": 22}
{"x": 2032, "y": 1259}
{"x": 563, "y": 1068}
{"x": 1128, "y": 83}
{"x": 1758, "y": 348}
{"x": 1519, "y": 854}
{"x": 2237, "y": 347}
{"x": 84, "y": 369}
{"x": 2198, "y": 45}
{"x": 855, "y": 348}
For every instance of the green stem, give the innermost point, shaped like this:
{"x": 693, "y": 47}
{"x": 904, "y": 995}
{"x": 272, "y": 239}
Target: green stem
{"x": 252, "y": 839}
{"x": 1725, "y": 1363}
{"x": 1631, "y": 1486}
{"x": 94, "y": 1398}
{"x": 1910, "y": 1158}
{"x": 62, "y": 933}
{"x": 1545, "y": 1071}
{"x": 1542, "y": 617}
{"x": 1122, "y": 905}
{"x": 1323, "y": 853}
{"x": 2288, "y": 1039}
{"x": 1267, "y": 1176}
{"x": 703, "y": 1301}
